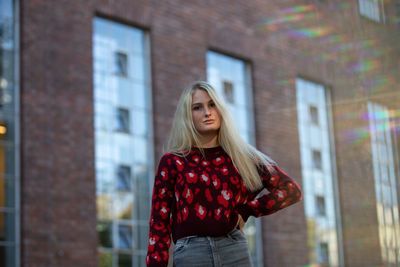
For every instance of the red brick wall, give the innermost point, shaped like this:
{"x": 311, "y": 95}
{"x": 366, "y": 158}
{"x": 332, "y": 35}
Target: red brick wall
{"x": 58, "y": 183}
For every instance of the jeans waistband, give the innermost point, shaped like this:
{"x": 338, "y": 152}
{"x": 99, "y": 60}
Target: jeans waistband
{"x": 187, "y": 238}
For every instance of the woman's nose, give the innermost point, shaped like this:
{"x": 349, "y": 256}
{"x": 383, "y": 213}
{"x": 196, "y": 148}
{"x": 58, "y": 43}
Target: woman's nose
{"x": 207, "y": 112}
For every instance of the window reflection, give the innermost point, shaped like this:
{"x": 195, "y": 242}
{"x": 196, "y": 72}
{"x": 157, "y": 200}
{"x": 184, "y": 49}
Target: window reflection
{"x": 121, "y": 63}
{"x": 314, "y": 114}
{"x": 104, "y": 230}
{"x": 317, "y": 161}
{"x": 372, "y": 9}
{"x": 9, "y": 209}
{"x": 124, "y": 260}
{"x": 122, "y": 141}
{"x": 227, "y": 75}
{"x": 122, "y": 120}
{"x": 384, "y": 154}
{"x": 316, "y": 171}
{"x": 124, "y": 178}
{"x": 228, "y": 91}
{"x": 125, "y": 237}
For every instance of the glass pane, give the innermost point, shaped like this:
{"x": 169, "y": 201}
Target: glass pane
{"x": 140, "y": 261}
{"x": 314, "y": 115}
{"x": 7, "y": 257}
{"x": 320, "y": 202}
{"x": 227, "y": 75}
{"x": 121, "y": 63}
{"x": 125, "y": 237}
{"x": 105, "y": 259}
{"x": 139, "y": 91}
{"x": 139, "y": 122}
{"x": 124, "y": 178}
{"x": 122, "y": 120}
{"x": 140, "y": 150}
{"x": 7, "y": 226}
{"x": 142, "y": 192}
{"x": 124, "y": 260}
{"x": 318, "y": 190}
{"x": 142, "y": 235}
{"x": 228, "y": 91}
{"x": 104, "y": 206}
{"x": 121, "y": 124}
{"x": 104, "y": 230}
{"x": 7, "y": 156}
{"x": 123, "y": 205}
{"x": 317, "y": 160}
{"x": 137, "y": 69}
{"x": 7, "y": 193}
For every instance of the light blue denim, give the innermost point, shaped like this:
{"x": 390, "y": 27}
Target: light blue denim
{"x": 229, "y": 250}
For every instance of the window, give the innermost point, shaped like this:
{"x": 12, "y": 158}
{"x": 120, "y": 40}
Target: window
{"x": 320, "y": 205}
{"x": 384, "y": 155}
{"x": 9, "y": 132}
{"x": 323, "y": 254}
{"x": 125, "y": 237}
{"x": 124, "y": 178}
{"x": 372, "y": 9}
{"x": 228, "y": 91}
{"x": 229, "y": 76}
{"x": 122, "y": 152}
{"x": 316, "y": 159}
{"x": 105, "y": 237}
{"x": 122, "y": 120}
{"x": 121, "y": 63}
{"x": 314, "y": 114}
{"x": 317, "y": 163}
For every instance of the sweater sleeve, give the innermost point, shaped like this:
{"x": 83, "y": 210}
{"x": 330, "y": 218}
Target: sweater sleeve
{"x": 162, "y": 199}
{"x": 283, "y": 191}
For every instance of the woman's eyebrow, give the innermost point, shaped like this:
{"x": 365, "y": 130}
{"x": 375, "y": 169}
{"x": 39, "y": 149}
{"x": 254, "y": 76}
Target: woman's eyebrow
{"x": 201, "y": 103}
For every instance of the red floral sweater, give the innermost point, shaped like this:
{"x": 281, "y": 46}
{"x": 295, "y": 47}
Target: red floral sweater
{"x": 193, "y": 195}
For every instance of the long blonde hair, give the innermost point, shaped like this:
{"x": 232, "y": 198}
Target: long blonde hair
{"x": 183, "y": 136}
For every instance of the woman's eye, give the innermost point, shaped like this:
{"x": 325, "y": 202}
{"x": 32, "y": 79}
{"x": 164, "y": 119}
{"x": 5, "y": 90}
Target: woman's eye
{"x": 196, "y": 108}
{"x": 212, "y": 104}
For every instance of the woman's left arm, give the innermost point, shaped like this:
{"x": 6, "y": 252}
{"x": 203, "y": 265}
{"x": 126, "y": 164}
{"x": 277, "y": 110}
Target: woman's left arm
{"x": 283, "y": 191}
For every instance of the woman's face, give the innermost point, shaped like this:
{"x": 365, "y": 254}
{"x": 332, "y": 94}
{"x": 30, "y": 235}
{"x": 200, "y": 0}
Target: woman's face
{"x": 205, "y": 115}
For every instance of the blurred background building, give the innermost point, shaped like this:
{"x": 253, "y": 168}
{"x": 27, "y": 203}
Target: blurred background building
{"x": 88, "y": 90}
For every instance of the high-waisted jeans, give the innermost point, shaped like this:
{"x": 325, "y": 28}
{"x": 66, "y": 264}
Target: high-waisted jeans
{"x": 227, "y": 250}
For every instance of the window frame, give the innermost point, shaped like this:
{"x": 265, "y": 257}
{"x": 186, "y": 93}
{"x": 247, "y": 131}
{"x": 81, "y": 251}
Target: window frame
{"x": 377, "y": 8}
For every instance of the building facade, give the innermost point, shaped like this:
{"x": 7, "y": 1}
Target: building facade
{"x": 89, "y": 90}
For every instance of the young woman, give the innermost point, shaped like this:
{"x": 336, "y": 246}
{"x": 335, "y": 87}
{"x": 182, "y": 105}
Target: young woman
{"x": 209, "y": 181}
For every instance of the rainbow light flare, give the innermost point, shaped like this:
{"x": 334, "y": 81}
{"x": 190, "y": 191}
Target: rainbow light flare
{"x": 379, "y": 83}
{"x": 309, "y": 32}
{"x": 379, "y": 115}
{"x": 364, "y": 66}
{"x": 291, "y": 14}
{"x": 297, "y": 9}
{"x": 360, "y": 135}
{"x": 287, "y": 18}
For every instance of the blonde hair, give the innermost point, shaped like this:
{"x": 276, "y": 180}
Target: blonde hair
{"x": 183, "y": 136}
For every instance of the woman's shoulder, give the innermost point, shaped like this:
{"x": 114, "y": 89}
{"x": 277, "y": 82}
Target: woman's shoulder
{"x": 172, "y": 157}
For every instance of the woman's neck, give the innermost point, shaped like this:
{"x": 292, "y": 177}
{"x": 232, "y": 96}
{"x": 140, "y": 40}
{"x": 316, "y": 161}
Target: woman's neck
{"x": 207, "y": 142}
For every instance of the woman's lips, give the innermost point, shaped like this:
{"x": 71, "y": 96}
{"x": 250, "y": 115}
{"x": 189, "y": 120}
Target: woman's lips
{"x": 209, "y": 121}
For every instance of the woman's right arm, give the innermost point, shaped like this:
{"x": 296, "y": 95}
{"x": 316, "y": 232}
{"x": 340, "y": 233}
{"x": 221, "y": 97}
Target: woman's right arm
{"x": 160, "y": 228}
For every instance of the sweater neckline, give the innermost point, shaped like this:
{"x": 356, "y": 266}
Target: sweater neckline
{"x": 209, "y": 150}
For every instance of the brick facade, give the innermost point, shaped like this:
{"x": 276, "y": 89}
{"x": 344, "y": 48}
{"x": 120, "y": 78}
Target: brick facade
{"x": 58, "y": 209}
